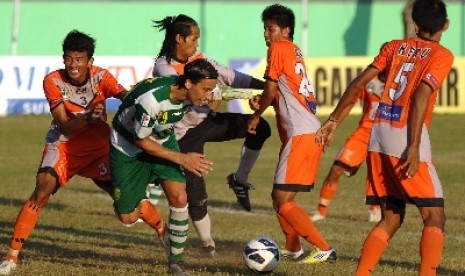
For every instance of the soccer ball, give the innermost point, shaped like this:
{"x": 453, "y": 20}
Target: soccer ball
{"x": 261, "y": 255}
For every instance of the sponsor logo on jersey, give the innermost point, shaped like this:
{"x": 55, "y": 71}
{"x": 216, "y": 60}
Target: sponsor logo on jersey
{"x": 162, "y": 117}
{"x": 389, "y": 112}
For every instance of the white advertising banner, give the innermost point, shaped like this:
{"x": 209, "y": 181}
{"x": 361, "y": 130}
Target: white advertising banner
{"x": 21, "y": 79}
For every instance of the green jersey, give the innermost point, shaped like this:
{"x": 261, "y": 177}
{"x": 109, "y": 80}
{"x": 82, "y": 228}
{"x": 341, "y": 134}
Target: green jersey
{"x": 147, "y": 111}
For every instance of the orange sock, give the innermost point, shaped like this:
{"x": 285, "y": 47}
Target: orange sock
{"x": 328, "y": 190}
{"x": 431, "y": 245}
{"x": 299, "y": 220}
{"x": 25, "y": 223}
{"x": 149, "y": 214}
{"x": 373, "y": 248}
{"x": 292, "y": 238}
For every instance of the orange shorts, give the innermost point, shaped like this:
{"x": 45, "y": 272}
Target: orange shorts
{"x": 298, "y": 164}
{"x": 387, "y": 183}
{"x": 354, "y": 151}
{"x": 58, "y": 162}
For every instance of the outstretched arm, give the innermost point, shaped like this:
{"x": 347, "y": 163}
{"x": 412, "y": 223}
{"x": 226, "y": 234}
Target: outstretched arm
{"x": 325, "y": 134}
{"x": 266, "y": 98}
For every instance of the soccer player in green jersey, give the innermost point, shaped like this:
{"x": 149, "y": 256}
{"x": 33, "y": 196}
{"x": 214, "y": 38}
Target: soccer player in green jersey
{"x": 144, "y": 150}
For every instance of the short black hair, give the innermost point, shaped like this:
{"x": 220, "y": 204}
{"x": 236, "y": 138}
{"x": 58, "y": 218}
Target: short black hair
{"x": 79, "y": 42}
{"x": 283, "y": 16}
{"x": 429, "y": 15}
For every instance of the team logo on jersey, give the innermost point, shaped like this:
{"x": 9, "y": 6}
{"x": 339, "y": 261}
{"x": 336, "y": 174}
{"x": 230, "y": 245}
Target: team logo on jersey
{"x": 433, "y": 80}
{"x": 145, "y": 120}
{"x": 298, "y": 53}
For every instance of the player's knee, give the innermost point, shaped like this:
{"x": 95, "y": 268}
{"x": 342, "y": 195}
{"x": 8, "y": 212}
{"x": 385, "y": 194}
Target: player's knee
{"x": 197, "y": 212}
{"x": 255, "y": 142}
{"x": 177, "y": 198}
{"x": 127, "y": 225}
{"x": 433, "y": 217}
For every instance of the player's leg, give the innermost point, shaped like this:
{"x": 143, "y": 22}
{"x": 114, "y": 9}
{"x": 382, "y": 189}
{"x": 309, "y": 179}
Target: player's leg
{"x": 178, "y": 223}
{"x": 130, "y": 176}
{"x": 328, "y": 191}
{"x": 432, "y": 239}
{"x": 235, "y": 128}
{"x": 385, "y": 190}
{"x": 425, "y": 190}
{"x": 299, "y": 152}
{"x": 53, "y": 172}
{"x": 347, "y": 161}
{"x": 27, "y": 218}
{"x": 197, "y": 198}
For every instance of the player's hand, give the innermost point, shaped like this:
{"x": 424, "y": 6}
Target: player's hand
{"x": 412, "y": 163}
{"x": 253, "y": 103}
{"x": 196, "y": 163}
{"x": 94, "y": 115}
{"x": 324, "y": 135}
{"x": 252, "y": 124}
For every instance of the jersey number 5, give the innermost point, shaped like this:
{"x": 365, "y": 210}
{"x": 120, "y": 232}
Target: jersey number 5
{"x": 401, "y": 80}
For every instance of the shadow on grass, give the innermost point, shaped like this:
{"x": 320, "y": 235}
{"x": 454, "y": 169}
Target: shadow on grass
{"x": 4, "y": 201}
{"x": 237, "y": 207}
{"x": 409, "y": 266}
{"x": 49, "y": 248}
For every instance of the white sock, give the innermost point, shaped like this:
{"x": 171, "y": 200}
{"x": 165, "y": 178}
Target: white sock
{"x": 203, "y": 229}
{"x": 248, "y": 158}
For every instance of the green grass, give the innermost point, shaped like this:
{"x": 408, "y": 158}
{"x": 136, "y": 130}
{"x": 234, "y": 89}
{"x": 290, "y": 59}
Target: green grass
{"x": 78, "y": 234}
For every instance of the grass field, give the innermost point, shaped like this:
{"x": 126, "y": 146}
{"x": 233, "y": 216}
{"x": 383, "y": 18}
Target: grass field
{"x": 78, "y": 234}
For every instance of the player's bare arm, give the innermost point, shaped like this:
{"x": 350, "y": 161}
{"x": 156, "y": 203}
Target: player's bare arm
{"x": 266, "y": 98}
{"x": 69, "y": 126}
{"x": 325, "y": 134}
{"x": 193, "y": 162}
{"x": 419, "y": 107}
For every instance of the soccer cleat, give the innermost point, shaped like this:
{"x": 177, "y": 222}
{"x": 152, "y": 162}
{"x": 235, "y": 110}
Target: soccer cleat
{"x": 291, "y": 254}
{"x": 316, "y": 216}
{"x": 7, "y": 266}
{"x": 174, "y": 268}
{"x": 241, "y": 191}
{"x": 207, "y": 251}
{"x": 375, "y": 215}
{"x": 164, "y": 236}
{"x": 317, "y": 256}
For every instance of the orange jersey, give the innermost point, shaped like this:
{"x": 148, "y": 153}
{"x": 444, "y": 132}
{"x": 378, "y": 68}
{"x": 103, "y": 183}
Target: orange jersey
{"x": 354, "y": 151}
{"x": 295, "y": 103}
{"x": 100, "y": 86}
{"x": 407, "y": 63}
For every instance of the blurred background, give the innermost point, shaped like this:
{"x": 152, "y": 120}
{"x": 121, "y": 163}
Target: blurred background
{"x": 339, "y": 39}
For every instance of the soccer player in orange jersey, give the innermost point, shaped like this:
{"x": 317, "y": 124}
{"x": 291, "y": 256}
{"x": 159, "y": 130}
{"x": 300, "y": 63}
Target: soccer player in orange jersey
{"x": 399, "y": 158}
{"x": 289, "y": 91}
{"x": 77, "y": 142}
{"x": 354, "y": 152}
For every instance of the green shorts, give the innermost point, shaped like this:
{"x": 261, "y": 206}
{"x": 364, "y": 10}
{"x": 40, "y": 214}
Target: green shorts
{"x": 131, "y": 175}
